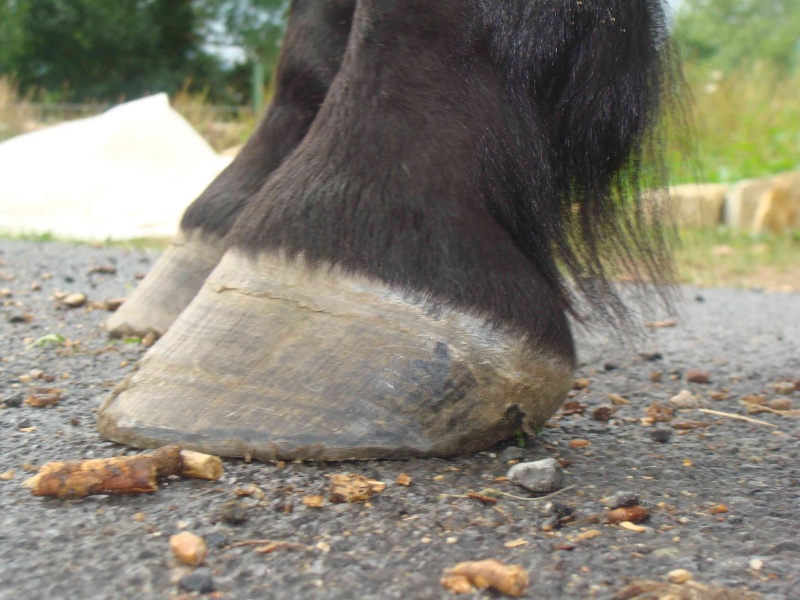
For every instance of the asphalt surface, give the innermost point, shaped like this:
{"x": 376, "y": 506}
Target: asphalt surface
{"x": 724, "y": 496}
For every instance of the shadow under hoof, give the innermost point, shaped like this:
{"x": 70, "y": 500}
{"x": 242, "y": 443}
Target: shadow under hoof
{"x": 274, "y": 360}
{"x": 169, "y": 286}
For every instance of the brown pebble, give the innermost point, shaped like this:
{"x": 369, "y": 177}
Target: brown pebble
{"x": 603, "y": 413}
{"x": 698, "y": 376}
{"x": 781, "y": 404}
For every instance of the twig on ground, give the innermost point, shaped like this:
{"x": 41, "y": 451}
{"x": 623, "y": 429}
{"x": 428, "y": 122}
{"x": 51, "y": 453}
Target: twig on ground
{"x": 735, "y": 416}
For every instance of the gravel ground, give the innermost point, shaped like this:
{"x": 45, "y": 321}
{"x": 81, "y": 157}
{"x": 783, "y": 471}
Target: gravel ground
{"x": 724, "y": 497}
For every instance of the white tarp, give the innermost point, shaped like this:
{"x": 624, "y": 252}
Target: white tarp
{"x": 128, "y": 173}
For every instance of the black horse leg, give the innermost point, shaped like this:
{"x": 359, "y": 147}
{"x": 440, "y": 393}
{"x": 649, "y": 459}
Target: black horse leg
{"x": 394, "y": 289}
{"x": 312, "y": 51}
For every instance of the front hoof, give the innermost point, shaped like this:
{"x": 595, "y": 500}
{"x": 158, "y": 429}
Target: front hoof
{"x": 274, "y": 360}
{"x": 169, "y": 286}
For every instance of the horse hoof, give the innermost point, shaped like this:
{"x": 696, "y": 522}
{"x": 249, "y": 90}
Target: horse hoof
{"x": 276, "y": 360}
{"x": 169, "y": 286}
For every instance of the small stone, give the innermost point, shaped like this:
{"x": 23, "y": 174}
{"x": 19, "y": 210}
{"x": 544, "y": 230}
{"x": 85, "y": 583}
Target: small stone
{"x": 661, "y": 435}
{"x": 581, "y": 383}
{"x": 784, "y": 387}
{"x": 216, "y": 540}
{"x": 603, "y": 413}
{"x": 679, "y": 576}
{"x": 651, "y": 356}
{"x": 698, "y": 376}
{"x": 188, "y": 548}
{"x": 539, "y": 476}
{"x": 560, "y": 509}
{"x": 621, "y": 500}
{"x": 24, "y": 424}
{"x": 685, "y": 399}
{"x": 74, "y": 300}
{"x": 512, "y": 453}
{"x": 655, "y": 376}
{"x": 7, "y": 475}
{"x": 233, "y": 513}
{"x": 199, "y": 581}
{"x": 611, "y": 366}
{"x": 24, "y": 318}
{"x": 781, "y": 404}
{"x": 15, "y": 400}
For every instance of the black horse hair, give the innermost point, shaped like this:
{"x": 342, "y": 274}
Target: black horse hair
{"x": 311, "y": 53}
{"x": 473, "y": 150}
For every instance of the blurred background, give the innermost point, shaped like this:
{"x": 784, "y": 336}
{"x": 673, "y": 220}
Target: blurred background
{"x": 67, "y": 59}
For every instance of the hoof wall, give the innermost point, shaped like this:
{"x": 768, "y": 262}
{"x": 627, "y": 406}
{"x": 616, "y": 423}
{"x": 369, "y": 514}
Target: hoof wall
{"x": 169, "y": 287}
{"x": 276, "y": 361}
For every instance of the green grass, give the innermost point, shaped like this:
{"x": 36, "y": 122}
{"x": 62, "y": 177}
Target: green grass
{"x": 134, "y": 243}
{"x": 745, "y": 124}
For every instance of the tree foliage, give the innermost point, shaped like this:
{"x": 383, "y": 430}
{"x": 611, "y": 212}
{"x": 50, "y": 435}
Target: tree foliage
{"x": 108, "y": 50}
{"x": 728, "y": 34}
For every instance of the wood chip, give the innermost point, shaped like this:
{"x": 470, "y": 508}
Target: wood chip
{"x": 511, "y": 580}
{"x": 403, "y": 479}
{"x": 581, "y": 384}
{"x": 281, "y": 545}
{"x": 686, "y": 425}
{"x": 618, "y": 400}
{"x": 188, "y": 548}
{"x": 754, "y": 399}
{"x": 39, "y": 397}
{"x": 350, "y": 487}
{"x": 631, "y": 527}
{"x": 121, "y": 474}
{"x": 588, "y": 535}
{"x": 659, "y": 413}
{"x": 516, "y": 543}
{"x": 660, "y": 324}
{"x": 7, "y": 475}
{"x": 200, "y": 466}
{"x": 633, "y": 514}
{"x": 718, "y": 509}
{"x": 313, "y": 501}
{"x": 579, "y": 443}
{"x": 482, "y": 498}
{"x": 79, "y": 478}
